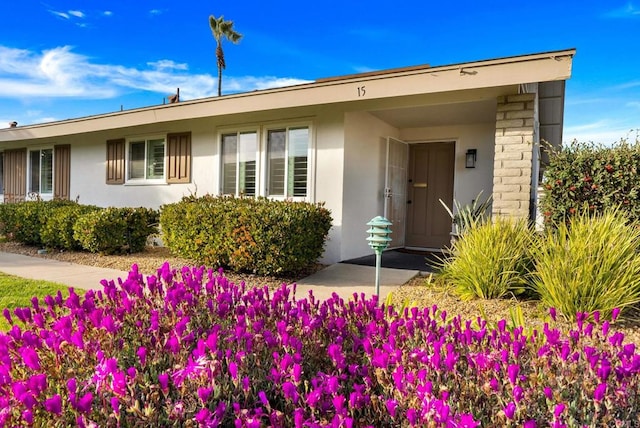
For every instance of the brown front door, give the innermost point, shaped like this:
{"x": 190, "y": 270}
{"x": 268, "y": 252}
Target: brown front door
{"x": 431, "y": 168}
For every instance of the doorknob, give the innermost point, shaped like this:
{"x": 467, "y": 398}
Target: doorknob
{"x": 409, "y": 201}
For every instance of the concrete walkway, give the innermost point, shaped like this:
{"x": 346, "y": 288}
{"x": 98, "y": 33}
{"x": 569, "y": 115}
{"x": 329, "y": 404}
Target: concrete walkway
{"x": 342, "y": 278}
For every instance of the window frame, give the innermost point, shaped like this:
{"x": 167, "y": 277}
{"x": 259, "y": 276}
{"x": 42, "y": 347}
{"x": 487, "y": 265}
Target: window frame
{"x": 145, "y": 180}
{"x": 29, "y": 187}
{"x": 310, "y": 185}
{"x": 258, "y": 160}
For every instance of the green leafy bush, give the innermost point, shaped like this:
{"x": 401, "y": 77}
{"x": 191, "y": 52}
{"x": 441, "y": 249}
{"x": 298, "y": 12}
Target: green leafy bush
{"x": 595, "y": 176}
{"x": 591, "y": 264}
{"x": 115, "y": 230}
{"x": 245, "y": 234}
{"x": 28, "y": 217}
{"x": 490, "y": 261}
{"x": 57, "y": 230}
{"x": 7, "y": 220}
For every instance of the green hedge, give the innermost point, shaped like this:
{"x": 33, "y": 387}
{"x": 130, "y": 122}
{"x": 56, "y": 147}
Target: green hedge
{"x": 57, "y": 230}
{"x": 115, "y": 230}
{"x": 593, "y": 176}
{"x": 24, "y": 220}
{"x": 259, "y": 235}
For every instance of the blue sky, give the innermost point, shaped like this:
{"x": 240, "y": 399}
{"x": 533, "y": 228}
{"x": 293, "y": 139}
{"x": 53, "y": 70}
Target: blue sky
{"x": 62, "y": 59}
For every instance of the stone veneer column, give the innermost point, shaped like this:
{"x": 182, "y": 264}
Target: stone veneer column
{"x": 512, "y": 162}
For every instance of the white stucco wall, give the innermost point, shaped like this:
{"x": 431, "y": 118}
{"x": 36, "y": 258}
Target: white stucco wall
{"x": 468, "y": 182}
{"x": 88, "y": 169}
{"x": 89, "y": 151}
{"x": 364, "y": 171}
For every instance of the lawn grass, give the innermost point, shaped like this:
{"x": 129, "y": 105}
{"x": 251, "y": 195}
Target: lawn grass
{"x": 17, "y": 292}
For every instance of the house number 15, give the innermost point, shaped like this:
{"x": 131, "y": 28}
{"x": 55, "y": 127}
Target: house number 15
{"x": 361, "y": 91}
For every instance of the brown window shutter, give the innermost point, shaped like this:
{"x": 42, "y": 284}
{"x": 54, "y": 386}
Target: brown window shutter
{"x": 179, "y": 156}
{"x": 62, "y": 171}
{"x": 15, "y": 175}
{"x": 115, "y": 161}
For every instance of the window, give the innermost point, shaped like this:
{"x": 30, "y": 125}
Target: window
{"x": 239, "y": 155}
{"x": 41, "y": 171}
{"x": 146, "y": 159}
{"x": 287, "y": 161}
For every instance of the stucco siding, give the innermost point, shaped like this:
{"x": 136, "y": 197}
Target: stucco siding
{"x": 364, "y": 173}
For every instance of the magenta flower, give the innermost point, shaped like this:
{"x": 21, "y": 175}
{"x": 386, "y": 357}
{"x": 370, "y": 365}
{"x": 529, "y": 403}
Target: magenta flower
{"x": 115, "y": 405}
{"x": 513, "y": 371}
{"x": 510, "y": 410}
{"x": 614, "y": 314}
{"x": 204, "y": 394}
{"x": 552, "y": 312}
{"x": 559, "y": 409}
{"x": 30, "y": 358}
{"x": 530, "y": 424}
{"x": 27, "y": 415}
{"x": 142, "y": 355}
{"x": 7, "y": 314}
{"x": 233, "y": 370}
{"x": 203, "y": 416}
{"x": 163, "y": 379}
{"x": 392, "y": 406}
{"x": 290, "y": 391}
{"x": 467, "y": 421}
{"x": 600, "y": 391}
{"x": 263, "y": 399}
{"x": 84, "y": 404}
{"x": 53, "y": 404}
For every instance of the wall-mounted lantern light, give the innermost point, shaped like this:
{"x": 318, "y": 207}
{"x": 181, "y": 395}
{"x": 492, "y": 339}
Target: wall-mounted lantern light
{"x": 378, "y": 239}
{"x": 470, "y": 158}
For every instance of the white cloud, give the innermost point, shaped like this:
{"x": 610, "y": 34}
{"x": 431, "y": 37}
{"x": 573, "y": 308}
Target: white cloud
{"x": 167, "y": 64}
{"x": 628, "y": 11}
{"x": 60, "y": 14}
{"x": 76, "y": 13}
{"x": 61, "y": 73}
{"x": 107, "y": 13}
{"x": 601, "y": 131}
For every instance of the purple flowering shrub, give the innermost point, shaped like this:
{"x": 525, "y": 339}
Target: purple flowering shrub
{"x": 188, "y": 348}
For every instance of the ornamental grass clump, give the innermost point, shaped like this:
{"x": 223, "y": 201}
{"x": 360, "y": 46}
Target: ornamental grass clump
{"x": 491, "y": 260}
{"x": 188, "y": 348}
{"x": 590, "y": 264}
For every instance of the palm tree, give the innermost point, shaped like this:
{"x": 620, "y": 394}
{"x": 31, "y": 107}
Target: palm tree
{"x": 222, "y": 29}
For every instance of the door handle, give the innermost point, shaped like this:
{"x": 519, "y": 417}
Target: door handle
{"x": 409, "y": 201}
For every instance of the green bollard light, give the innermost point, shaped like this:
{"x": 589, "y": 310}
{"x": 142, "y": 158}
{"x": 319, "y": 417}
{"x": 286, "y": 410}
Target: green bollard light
{"x": 378, "y": 239}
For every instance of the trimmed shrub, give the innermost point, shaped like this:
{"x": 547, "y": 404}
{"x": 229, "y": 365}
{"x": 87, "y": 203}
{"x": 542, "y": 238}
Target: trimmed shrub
{"x": 259, "y": 235}
{"x": 29, "y": 217}
{"x": 57, "y": 230}
{"x": 591, "y": 264}
{"x": 7, "y": 220}
{"x": 490, "y": 261}
{"x": 115, "y": 230}
{"x": 595, "y": 176}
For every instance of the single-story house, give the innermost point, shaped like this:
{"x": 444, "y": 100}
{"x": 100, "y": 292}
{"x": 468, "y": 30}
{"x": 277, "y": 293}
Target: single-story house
{"x": 390, "y": 143}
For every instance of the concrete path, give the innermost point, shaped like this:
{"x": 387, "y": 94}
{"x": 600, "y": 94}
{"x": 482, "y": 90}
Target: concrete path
{"x": 344, "y": 279}
{"x": 69, "y": 274}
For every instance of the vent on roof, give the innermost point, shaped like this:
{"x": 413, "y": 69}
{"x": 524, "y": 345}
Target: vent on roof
{"x": 13, "y": 124}
{"x": 175, "y": 98}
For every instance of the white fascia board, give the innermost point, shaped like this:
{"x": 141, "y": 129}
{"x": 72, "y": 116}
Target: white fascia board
{"x": 543, "y": 67}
